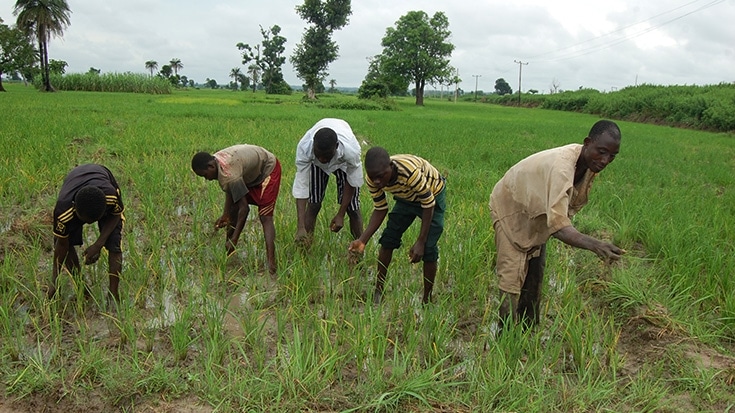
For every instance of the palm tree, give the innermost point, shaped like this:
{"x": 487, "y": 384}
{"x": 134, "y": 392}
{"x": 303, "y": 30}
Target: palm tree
{"x": 151, "y": 65}
{"x": 332, "y": 84}
{"x": 176, "y": 65}
{"x": 43, "y": 19}
{"x": 254, "y": 72}
{"x": 235, "y": 74}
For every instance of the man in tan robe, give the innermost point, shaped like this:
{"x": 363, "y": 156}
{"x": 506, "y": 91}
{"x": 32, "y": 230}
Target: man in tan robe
{"x": 534, "y": 201}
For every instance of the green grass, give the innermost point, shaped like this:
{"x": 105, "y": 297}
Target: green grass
{"x": 653, "y": 334}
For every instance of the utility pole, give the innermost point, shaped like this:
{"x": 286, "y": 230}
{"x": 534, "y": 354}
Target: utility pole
{"x": 456, "y": 85}
{"x": 520, "y": 70}
{"x": 476, "y": 78}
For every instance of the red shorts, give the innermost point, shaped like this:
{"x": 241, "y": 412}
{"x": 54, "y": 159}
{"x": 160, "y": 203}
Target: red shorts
{"x": 265, "y": 194}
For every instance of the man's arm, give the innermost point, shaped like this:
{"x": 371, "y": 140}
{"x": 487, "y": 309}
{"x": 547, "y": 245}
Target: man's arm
{"x": 61, "y": 250}
{"x": 92, "y": 253}
{"x": 224, "y": 220}
{"x": 417, "y": 251}
{"x": 605, "y": 250}
{"x": 339, "y": 220}
{"x": 242, "y": 216}
{"x": 301, "y": 217}
{"x": 376, "y": 218}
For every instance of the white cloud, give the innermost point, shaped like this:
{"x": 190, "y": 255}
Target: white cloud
{"x": 579, "y": 43}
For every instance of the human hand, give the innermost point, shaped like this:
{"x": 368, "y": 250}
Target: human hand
{"x": 222, "y": 222}
{"x": 356, "y": 246}
{"x": 337, "y": 223}
{"x": 355, "y": 252}
{"x": 609, "y": 253}
{"x": 302, "y": 238}
{"x": 91, "y": 254}
{"x": 416, "y": 252}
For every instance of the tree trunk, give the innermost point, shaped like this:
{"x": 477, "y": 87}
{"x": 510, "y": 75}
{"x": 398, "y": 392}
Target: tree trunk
{"x": 310, "y": 94}
{"x": 420, "y": 92}
{"x": 2, "y": 89}
{"x": 44, "y": 67}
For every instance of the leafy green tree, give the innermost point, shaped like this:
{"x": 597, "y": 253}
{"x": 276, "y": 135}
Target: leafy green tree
{"x": 502, "y": 87}
{"x": 332, "y": 86}
{"x": 317, "y": 49}
{"x": 268, "y": 56}
{"x": 93, "y": 71}
{"x": 211, "y": 83}
{"x": 176, "y": 65}
{"x": 254, "y": 72}
{"x": 380, "y": 83}
{"x": 151, "y": 65}
{"x": 16, "y": 52}
{"x": 418, "y": 50}
{"x": 57, "y": 67}
{"x": 43, "y": 19}
{"x": 166, "y": 71}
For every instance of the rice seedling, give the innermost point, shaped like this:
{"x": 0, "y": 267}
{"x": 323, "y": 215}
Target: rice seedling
{"x": 194, "y": 323}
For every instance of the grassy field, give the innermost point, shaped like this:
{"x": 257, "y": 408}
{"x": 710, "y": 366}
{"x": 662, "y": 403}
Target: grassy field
{"x": 198, "y": 332}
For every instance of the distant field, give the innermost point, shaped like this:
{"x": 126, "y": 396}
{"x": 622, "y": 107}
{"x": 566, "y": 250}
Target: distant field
{"x": 198, "y": 332}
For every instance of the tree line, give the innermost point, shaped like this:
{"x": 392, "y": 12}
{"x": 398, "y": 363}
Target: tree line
{"x": 415, "y": 51}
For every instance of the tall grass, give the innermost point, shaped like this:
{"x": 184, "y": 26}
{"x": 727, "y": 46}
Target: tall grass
{"x": 193, "y": 322}
{"x": 110, "y": 82}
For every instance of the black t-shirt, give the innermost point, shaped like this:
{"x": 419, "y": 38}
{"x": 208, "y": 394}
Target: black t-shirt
{"x": 65, "y": 217}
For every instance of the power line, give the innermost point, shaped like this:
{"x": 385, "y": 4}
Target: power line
{"x": 613, "y": 42}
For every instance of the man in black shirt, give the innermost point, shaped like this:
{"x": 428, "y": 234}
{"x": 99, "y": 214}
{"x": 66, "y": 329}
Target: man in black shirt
{"x": 89, "y": 194}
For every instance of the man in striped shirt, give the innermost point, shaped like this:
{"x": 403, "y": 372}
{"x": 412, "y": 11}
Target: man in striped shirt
{"x": 418, "y": 191}
{"x": 89, "y": 194}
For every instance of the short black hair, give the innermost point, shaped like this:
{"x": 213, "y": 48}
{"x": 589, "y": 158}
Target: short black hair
{"x": 376, "y": 158}
{"x": 605, "y": 127}
{"x": 200, "y": 161}
{"x": 90, "y": 202}
{"x": 325, "y": 140}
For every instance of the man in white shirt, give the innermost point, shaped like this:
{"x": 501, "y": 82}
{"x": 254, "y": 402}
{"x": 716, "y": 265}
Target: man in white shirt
{"x": 329, "y": 147}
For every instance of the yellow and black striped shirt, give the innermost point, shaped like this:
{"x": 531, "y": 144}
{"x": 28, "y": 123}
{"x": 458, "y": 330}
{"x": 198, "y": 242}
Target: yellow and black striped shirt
{"x": 414, "y": 180}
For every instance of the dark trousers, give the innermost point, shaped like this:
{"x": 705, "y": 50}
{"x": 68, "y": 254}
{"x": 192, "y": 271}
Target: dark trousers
{"x": 529, "y": 301}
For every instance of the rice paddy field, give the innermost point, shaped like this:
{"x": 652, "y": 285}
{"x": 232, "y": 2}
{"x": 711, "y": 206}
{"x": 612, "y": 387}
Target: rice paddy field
{"x": 199, "y": 332}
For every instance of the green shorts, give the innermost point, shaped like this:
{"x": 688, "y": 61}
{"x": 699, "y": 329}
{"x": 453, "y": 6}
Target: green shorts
{"x": 402, "y": 216}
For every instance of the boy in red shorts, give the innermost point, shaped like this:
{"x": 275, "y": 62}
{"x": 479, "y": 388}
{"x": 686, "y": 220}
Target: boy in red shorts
{"x": 248, "y": 174}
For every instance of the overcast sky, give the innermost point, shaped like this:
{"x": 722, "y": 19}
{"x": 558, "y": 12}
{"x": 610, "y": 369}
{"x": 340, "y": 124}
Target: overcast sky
{"x": 573, "y": 43}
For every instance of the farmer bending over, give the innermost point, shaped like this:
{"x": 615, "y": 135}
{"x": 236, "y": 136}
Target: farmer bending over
{"x": 418, "y": 191}
{"x": 89, "y": 194}
{"x": 535, "y": 200}
{"x": 248, "y": 174}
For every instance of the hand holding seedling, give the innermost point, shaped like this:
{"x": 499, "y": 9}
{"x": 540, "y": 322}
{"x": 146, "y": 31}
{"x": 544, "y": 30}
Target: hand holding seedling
{"x": 355, "y": 251}
{"x": 222, "y": 222}
{"x": 609, "y": 253}
{"x": 337, "y": 223}
{"x": 302, "y": 238}
{"x": 92, "y": 254}
{"x": 416, "y": 252}
{"x": 356, "y": 246}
